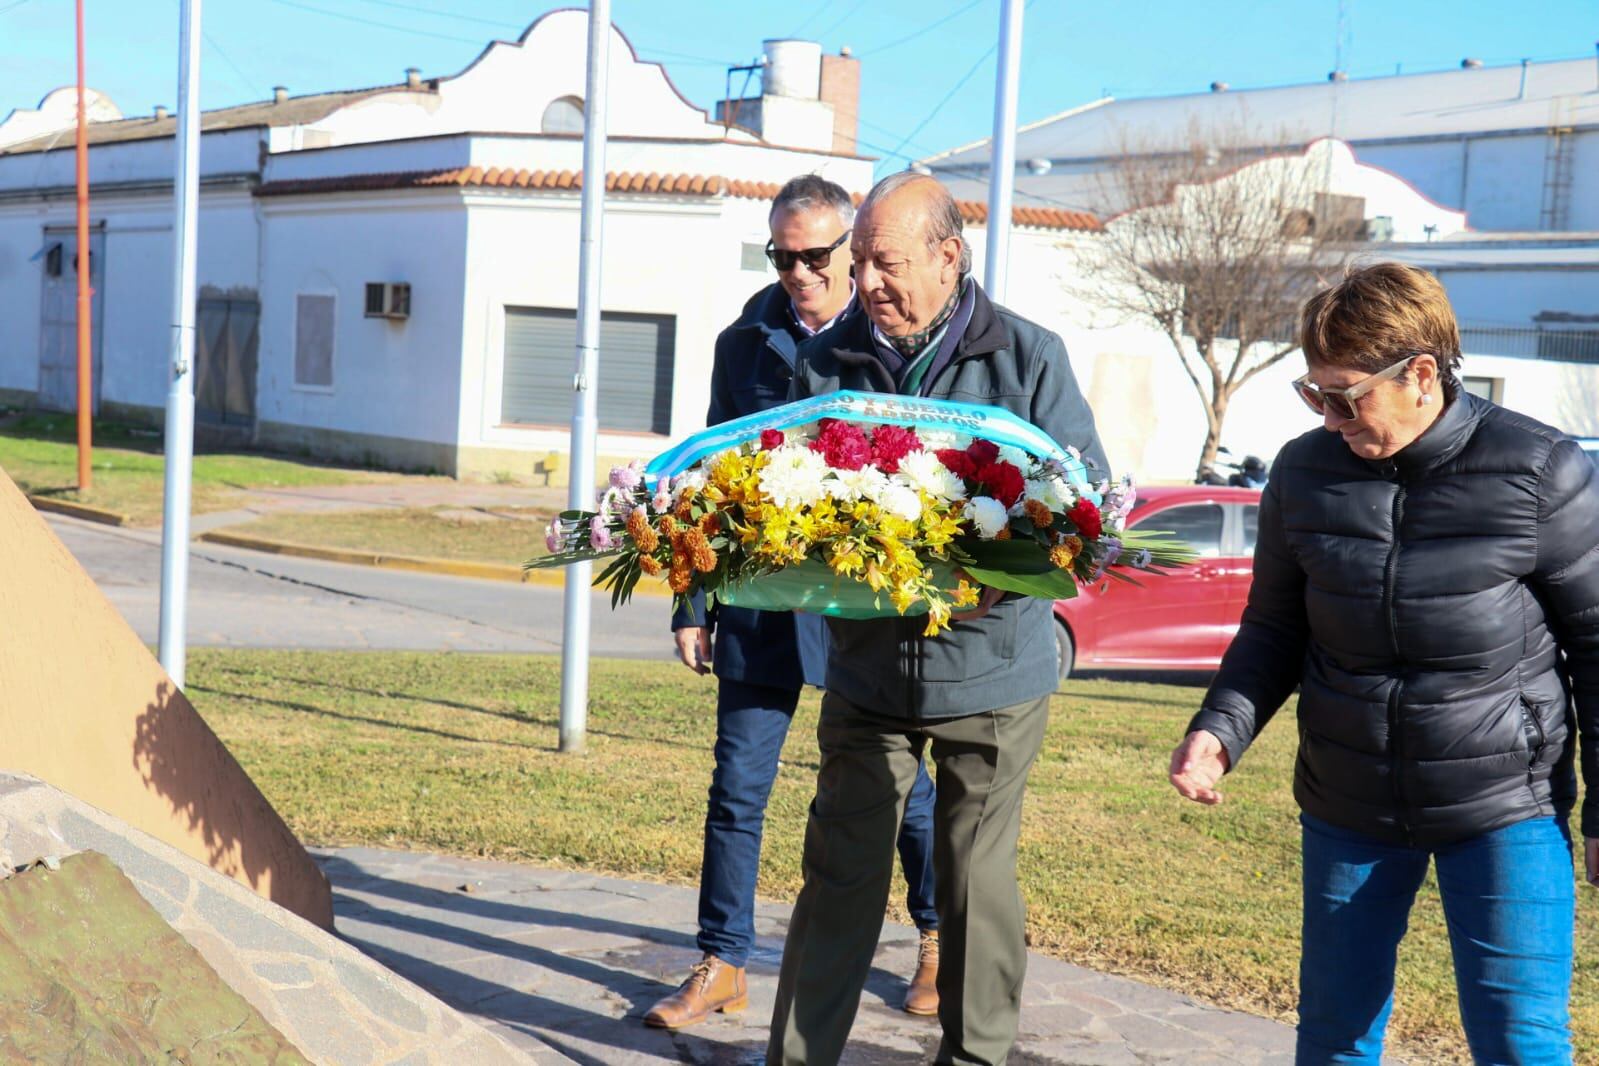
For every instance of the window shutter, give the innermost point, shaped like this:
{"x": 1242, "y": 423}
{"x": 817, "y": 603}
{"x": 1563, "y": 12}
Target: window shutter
{"x": 637, "y": 353}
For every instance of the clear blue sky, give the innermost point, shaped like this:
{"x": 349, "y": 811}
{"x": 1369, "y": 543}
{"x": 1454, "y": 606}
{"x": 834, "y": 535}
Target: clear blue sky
{"x": 1074, "y": 50}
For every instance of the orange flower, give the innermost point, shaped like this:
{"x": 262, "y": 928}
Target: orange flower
{"x": 1038, "y": 511}
{"x": 699, "y": 550}
{"x": 680, "y": 580}
{"x": 711, "y": 523}
{"x": 668, "y": 527}
{"x": 1062, "y": 556}
{"x": 1003, "y": 534}
{"x": 638, "y": 527}
{"x": 648, "y": 564}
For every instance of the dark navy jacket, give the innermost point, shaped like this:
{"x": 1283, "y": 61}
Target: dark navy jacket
{"x": 754, "y": 364}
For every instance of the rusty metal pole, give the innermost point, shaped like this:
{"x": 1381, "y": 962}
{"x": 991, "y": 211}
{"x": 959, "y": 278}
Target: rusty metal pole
{"x": 85, "y": 294}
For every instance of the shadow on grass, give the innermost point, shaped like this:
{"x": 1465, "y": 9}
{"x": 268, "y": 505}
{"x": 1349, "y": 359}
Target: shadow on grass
{"x": 510, "y": 716}
{"x": 306, "y": 708}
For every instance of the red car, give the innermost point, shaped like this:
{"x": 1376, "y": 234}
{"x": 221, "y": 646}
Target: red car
{"x": 1180, "y": 620}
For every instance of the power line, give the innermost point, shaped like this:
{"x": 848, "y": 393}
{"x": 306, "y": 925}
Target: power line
{"x": 957, "y": 87}
{"x": 380, "y": 25}
{"x": 444, "y": 14}
{"x": 249, "y": 83}
{"x": 815, "y": 11}
{"x": 929, "y": 28}
{"x": 13, "y": 7}
{"x": 851, "y": 13}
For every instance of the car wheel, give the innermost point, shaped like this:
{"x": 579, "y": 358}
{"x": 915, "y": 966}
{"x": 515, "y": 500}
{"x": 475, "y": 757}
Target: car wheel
{"x": 1064, "y": 649}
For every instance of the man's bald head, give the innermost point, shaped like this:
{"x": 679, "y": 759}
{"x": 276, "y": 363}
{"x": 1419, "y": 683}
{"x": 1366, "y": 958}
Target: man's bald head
{"x": 908, "y": 191}
{"x": 908, "y": 253}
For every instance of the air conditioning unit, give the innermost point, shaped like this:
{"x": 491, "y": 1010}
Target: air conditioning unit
{"x": 388, "y": 299}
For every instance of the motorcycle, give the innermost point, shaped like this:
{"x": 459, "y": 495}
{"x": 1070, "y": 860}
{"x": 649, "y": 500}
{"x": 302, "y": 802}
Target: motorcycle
{"x": 1248, "y": 473}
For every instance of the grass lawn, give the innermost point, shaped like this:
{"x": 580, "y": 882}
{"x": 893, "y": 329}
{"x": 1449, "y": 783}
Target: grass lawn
{"x": 39, "y": 452}
{"x": 455, "y": 753}
{"x": 507, "y": 535}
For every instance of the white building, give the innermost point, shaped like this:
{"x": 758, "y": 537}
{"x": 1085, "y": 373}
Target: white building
{"x": 390, "y": 274}
{"x": 1149, "y": 414}
{"x": 1515, "y": 147}
{"x": 1487, "y": 176}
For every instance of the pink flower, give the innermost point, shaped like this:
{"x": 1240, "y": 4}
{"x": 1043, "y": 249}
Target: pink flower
{"x": 600, "y": 538}
{"x": 553, "y": 540}
{"x": 629, "y": 477}
{"x": 662, "y": 501}
{"x": 771, "y": 438}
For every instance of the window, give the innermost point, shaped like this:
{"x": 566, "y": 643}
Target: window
{"x": 753, "y": 257}
{"x": 313, "y": 341}
{"x": 564, "y": 115}
{"x": 1490, "y": 389}
{"x": 1251, "y": 517}
{"x": 1198, "y": 524}
{"x": 636, "y": 361}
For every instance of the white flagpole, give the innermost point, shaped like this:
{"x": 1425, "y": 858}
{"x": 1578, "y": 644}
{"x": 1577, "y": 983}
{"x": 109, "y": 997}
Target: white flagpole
{"x": 1002, "y": 161}
{"x": 575, "y": 630}
{"x": 180, "y": 390}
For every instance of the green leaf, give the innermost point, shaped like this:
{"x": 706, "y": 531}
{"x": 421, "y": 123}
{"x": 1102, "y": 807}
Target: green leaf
{"x": 1051, "y": 584}
{"x": 1021, "y": 556}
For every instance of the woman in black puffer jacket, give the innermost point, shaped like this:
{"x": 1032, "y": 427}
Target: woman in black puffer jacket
{"x": 1427, "y": 573}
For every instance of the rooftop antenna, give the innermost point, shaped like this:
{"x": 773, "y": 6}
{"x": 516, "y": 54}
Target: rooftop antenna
{"x": 1337, "y": 78}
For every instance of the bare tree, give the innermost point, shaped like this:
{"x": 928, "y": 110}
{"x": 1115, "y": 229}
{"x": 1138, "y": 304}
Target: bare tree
{"x": 1217, "y": 246}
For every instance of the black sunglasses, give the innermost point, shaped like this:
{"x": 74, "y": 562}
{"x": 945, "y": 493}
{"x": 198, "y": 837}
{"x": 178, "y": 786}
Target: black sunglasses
{"x": 815, "y": 258}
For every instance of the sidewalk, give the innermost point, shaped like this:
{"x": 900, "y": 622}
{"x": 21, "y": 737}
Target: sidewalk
{"x": 564, "y": 964}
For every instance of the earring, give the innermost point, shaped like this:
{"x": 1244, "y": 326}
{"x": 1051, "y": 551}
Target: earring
{"x": 1426, "y": 397}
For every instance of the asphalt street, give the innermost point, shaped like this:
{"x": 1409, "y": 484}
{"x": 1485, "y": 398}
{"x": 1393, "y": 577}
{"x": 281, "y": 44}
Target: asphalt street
{"x": 245, "y": 599}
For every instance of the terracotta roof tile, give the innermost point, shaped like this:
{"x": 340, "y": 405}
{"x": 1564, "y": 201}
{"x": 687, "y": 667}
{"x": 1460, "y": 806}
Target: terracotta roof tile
{"x": 645, "y": 183}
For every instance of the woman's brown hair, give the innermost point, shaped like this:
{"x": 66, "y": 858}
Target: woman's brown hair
{"x": 1377, "y": 315}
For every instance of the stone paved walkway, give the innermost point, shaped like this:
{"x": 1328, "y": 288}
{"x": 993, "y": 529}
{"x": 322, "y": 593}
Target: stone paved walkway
{"x": 564, "y": 964}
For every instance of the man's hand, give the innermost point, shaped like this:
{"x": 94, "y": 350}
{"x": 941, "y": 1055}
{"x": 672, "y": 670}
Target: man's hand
{"x": 694, "y": 648}
{"x": 1590, "y": 855}
{"x": 1199, "y": 762}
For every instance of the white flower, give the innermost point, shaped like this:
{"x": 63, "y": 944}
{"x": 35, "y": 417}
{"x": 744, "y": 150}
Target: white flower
{"x": 988, "y": 516}
{"x": 793, "y": 476}
{"x": 1021, "y": 460}
{"x": 901, "y": 500}
{"x": 689, "y": 480}
{"x": 935, "y": 439}
{"x": 868, "y": 481}
{"x": 1052, "y": 492}
{"x": 926, "y": 472}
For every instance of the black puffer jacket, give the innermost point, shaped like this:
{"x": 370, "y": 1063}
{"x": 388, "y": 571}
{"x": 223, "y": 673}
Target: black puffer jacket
{"x": 1440, "y": 611}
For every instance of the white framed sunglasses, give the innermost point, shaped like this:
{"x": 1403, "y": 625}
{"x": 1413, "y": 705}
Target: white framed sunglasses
{"x": 1344, "y": 402}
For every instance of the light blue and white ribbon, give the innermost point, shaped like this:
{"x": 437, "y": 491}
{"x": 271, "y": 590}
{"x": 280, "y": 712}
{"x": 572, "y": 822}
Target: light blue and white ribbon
{"x": 974, "y": 420}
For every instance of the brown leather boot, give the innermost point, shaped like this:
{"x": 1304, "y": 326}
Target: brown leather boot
{"x": 922, "y": 997}
{"x": 712, "y": 986}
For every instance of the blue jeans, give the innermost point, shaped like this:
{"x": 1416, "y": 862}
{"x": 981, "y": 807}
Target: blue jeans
{"x": 1509, "y": 900}
{"x": 751, "y": 724}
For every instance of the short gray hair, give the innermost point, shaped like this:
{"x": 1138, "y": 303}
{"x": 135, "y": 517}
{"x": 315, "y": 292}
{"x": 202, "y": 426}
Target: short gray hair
{"x": 943, "y": 214}
{"x": 812, "y": 192}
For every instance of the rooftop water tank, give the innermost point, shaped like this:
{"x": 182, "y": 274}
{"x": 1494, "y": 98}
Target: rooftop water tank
{"x": 793, "y": 68}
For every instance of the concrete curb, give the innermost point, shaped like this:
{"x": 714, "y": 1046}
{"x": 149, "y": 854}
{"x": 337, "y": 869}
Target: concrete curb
{"x": 414, "y": 563}
{"x": 79, "y": 510}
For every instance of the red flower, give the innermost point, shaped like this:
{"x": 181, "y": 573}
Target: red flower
{"x": 1003, "y": 481}
{"x": 957, "y": 462}
{"x": 1085, "y": 516}
{"x": 771, "y": 438}
{"x": 890, "y": 444}
{"x": 843, "y": 445}
{"x": 983, "y": 452}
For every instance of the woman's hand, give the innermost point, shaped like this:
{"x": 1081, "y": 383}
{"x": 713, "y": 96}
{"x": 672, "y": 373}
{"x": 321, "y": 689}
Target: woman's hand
{"x": 1200, "y": 761}
{"x": 1590, "y": 856}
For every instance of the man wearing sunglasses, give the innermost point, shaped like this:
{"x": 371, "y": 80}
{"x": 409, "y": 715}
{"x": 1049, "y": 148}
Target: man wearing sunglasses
{"x": 764, "y": 658}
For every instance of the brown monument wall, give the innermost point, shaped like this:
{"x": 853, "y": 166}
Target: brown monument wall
{"x": 86, "y": 707}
